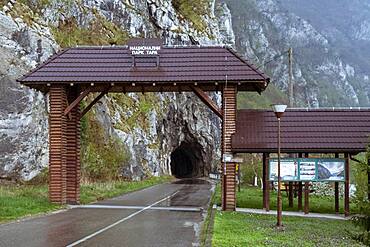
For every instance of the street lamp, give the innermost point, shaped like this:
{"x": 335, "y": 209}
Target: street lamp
{"x": 279, "y": 111}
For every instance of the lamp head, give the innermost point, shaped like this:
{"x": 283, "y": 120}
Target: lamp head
{"x": 278, "y": 109}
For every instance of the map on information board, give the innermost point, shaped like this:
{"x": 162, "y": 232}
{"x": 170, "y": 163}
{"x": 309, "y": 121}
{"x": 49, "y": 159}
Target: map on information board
{"x": 307, "y": 169}
{"x": 288, "y": 169}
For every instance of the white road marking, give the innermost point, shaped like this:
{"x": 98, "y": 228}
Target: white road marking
{"x": 97, "y": 206}
{"x": 118, "y": 222}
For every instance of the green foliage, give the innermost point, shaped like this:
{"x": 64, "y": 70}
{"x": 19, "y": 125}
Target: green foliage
{"x": 253, "y": 100}
{"x": 41, "y": 178}
{"x": 102, "y": 157}
{"x": 35, "y": 5}
{"x": 3, "y": 3}
{"x": 99, "y": 32}
{"x": 193, "y": 10}
{"x": 140, "y": 110}
{"x": 239, "y": 229}
{"x": 23, "y": 11}
{"x": 363, "y": 205}
{"x": 251, "y": 167}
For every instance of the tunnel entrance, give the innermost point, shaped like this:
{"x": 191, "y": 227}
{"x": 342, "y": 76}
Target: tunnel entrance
{"x": 186, "y": 161}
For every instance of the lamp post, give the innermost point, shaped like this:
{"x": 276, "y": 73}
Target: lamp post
{"x": 279, "y": 111}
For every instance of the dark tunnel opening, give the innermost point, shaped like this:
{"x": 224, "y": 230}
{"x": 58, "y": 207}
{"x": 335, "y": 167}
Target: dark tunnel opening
{"x": 186, "y": 161}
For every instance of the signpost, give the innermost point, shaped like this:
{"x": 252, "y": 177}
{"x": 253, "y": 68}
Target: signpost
{"x": 144, "y": 50}
{"x": 148, "y": 48}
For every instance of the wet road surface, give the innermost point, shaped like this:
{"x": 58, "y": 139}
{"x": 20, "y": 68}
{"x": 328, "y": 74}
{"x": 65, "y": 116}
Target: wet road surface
{"x": 162, "y": 215}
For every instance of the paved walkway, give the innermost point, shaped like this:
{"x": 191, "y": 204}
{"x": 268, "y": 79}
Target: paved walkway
{"x": 291, "y": 213}
{"x": 163, "y": 215}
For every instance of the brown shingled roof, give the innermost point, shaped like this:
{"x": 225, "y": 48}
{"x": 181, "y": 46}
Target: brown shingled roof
{"x": 303, "y": 131}
{"x": 186, "y": 64}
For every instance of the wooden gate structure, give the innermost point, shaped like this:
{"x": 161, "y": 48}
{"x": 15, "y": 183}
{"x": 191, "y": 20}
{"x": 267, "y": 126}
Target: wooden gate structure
{"x": 144, "y": 65}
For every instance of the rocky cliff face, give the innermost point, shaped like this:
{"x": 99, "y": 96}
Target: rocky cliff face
{"x": 154, "y": 126}
{"x": 152, "y": 130}
{"x": 327, "y": 38}
{"x": 23, "y": 117}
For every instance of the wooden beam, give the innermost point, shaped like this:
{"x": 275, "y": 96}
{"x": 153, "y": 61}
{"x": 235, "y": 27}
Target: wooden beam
{"x": 57, "y": 141}
{"x": 264, "y": 180}
{"x": 306, "y": 197}
{"x": 94, "y": 102}
{"x": 300, "y": 155}
{"x": 299, "y": 196}
{"x": 336, "y": 193}
{"x": 207, "y": 100}
{"x": 368, "y": 179}
{"x": 346, "y": 185}
{"x": 290, "y": 194}
{"x": 77, "y": 101}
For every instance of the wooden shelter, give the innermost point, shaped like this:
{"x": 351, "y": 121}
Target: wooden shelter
{"x": 338, "y": 131}
{"x": 145, "y": 65}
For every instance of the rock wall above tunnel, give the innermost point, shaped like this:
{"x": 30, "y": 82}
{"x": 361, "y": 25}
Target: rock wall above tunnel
{"x": 172, "y": 119}
{"x": 190, "y": 127}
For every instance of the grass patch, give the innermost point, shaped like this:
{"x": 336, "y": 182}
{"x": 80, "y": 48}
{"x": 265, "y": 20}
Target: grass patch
{"x": 17, "y": 201}
{"x": 207, "y": 222}
{"x": 238, "y": 229}
{"x": 251, "y": 197}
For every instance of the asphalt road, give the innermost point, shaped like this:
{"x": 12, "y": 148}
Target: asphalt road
{"x": 162, "y": 215}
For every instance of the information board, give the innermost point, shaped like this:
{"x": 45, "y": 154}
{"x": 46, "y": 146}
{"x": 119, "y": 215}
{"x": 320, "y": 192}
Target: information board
{"x": 307, "y": 169}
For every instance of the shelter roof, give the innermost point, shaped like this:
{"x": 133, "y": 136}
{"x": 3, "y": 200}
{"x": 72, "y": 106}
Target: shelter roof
{"x": 207, "y": 66}
{"x": 303, "y": 131}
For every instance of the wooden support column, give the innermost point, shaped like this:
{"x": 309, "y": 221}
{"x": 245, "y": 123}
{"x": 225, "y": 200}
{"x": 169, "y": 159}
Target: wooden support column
{"x": 368, "y": 179}
{"x": 290, "y": 194}
{"x": 268, "y": 184}
{"x": 346, "y": 185}
{"x": 228, "y": 129}
{"x": 306, "y": 197}
{"x": 264, "y": 180}
{"x": 336, "y": 193}
{"x": 57, "y": 144}
{"x": 300, "y": 189}
{"x": 73, "y": 151}
{"x": 306, "y": 193}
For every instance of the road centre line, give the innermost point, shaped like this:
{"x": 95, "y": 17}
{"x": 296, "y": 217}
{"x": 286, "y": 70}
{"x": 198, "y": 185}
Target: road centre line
{"x": 118, "y": 222}
{"x": 97, "y": 206}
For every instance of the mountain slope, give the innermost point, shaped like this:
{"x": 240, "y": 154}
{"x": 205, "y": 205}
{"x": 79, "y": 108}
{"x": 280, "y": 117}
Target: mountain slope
{"x": 324, "y": 76}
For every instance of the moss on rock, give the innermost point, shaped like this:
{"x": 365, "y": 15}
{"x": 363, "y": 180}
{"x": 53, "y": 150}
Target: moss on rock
{"x": 99, "y": 32}
{"x": 193, "y": 10}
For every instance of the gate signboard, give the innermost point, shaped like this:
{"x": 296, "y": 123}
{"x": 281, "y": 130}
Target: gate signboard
{"x": 308, "y": 169}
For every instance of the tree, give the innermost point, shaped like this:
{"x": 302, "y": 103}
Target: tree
{"x": 362, "y": 201}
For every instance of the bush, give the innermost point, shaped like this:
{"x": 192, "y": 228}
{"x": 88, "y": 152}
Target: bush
{"x": 251, "y": 167}
{"x": 102, "y": 156}
{"x": 41, "y": 178}
{"x": 363, "y": 219}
